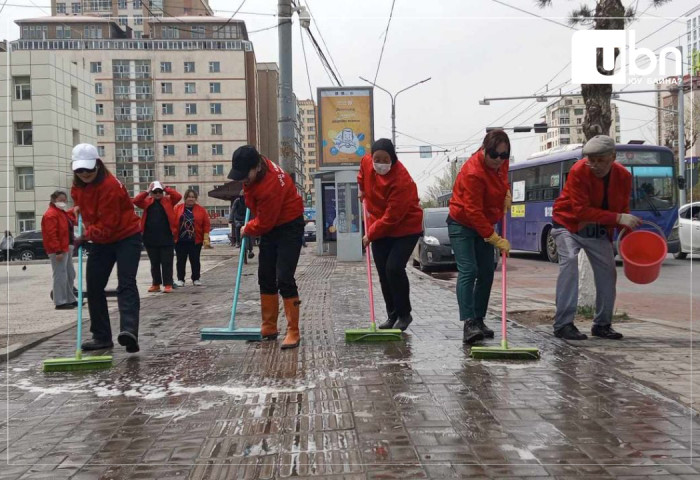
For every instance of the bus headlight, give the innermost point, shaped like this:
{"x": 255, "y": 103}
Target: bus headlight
{"x": 429, "y": 240}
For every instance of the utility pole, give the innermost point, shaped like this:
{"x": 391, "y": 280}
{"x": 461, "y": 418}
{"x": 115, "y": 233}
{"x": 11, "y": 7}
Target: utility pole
{"x": 286, "y": 93}
{"x": 681, "y": 130}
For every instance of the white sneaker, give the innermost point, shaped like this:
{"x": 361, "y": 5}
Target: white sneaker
{"x": 197, "y": 283}
{"x": 179, "y": 283}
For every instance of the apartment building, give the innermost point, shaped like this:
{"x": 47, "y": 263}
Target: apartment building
{"x": 567, "y": 115}
{"x": 308, "y": 132}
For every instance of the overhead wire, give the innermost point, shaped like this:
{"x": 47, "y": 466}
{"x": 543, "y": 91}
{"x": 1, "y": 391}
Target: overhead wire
{"x": 323, "y": 40}
{"x": 386, "y": 35}
{"x": 306, "y": 63}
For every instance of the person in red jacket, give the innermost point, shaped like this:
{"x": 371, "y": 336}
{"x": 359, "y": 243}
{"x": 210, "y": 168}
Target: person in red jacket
{"x": 193, "y": 226}
{"x": 480, "y": 196}
{"x": 114, "y": 230}
{"x": 395, "y": 222}
{"x": 57, "y": 234}
{"x": 159, "y": 226}
{"x": 272, "y": 197}
{"x": 595, "y": 199}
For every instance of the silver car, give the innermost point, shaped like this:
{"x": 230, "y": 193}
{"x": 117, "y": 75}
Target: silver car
{"x": 688, "y": 230}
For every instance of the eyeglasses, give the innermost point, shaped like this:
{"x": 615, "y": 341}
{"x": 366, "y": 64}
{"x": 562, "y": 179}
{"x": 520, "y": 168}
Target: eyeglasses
{"x": 494, "y": 154}
{"x": 80, "y": 171}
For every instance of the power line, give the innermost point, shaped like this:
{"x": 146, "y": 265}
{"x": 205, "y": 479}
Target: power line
{"x": 386, "y": 34}
{"x": 323, "y": 58}
{"x": 3, "y": 6}
{"x": 534, "y": 15}
{"x": 308, "y": 76}
{"x": 318, "y": 29}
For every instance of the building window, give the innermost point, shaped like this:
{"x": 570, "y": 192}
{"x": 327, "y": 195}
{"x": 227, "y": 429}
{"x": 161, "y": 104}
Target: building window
{"x": 215, "y": 108}
{"x": 63, "y": 31}
{"x": 138, "y": 19}
{"x": 190, "y": 87}
{"x": 192, "y": 150}
{"x": 166, "y": 87}
{"x": 312, "y": 137}
{"x": 26, "y": 221}
{"x": 194, "y": 188}
{"x": 95, "y": 67}
{"x": 101, "y": 151}
{"x": 218, "y": 169}
{"x": 169, "y": 170}
{"x": 60, "y": 8}
{"x": 98, "y": 89}
{"x": 74, "y": 97}
{"x": 192, "y": 170}
{"x": 190, "y": 109}
{"x": 100, "y": 130}
{"x": 166, "y": 67}
{"x": 191, "y": 129}
{"x": 579, "y": 121}
{"x": 23, "y": 134}
{"x": 214, "y": 67}
{"x": 170, "y": 32}
{"x": 121, "y": 4}
{"x": 217, "y": 149}
{"x": 312, "y": 128}
{"x": 168, "y": 129}
{"x": 216, "y": 129}
{"x": 76, "y": 137}
{"x": 578, "y": 111}
{"x": 23, "y": 88}
{"x": 99, "y": 109}
{"x": 25, "y": 179}
{"x": 123, "y": 20}
{"x": 189, "y": 67}
{"x": 76, "y": 8}
{"x": 136, "y": 4}
{"x": 197, "y": 32}
{"x": 168, "y": 150}
{"x": 167, "y": 109}
{"x": 214, "y": 87}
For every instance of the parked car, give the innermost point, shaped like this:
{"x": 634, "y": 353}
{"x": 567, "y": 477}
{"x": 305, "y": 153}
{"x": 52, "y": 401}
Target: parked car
{"x": 220, "y": 236}
{"x": 310, "y": 231}
{"x": 433, "y": 248}
{"x": 28, "y": 246}
{"x": 688, "y": 230}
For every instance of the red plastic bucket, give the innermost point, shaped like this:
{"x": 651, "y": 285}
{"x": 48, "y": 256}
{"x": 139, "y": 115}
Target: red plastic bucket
{"x": 642, "y": 254}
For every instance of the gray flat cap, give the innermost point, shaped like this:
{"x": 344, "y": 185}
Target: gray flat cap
{"x": 599, "y": 145}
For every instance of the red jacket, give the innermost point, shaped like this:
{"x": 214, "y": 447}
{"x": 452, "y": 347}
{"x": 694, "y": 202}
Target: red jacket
{"x": 478, "y": 195}
{"x": 273, "y": 201}
{"x": 202, "y": 224}
{"x": 55, "y": 229}
{"x": 107, "y": 210}
{"x": 581, "y": 199}
{"x": 144, "y": 200}
{"x": 392, "y": 201}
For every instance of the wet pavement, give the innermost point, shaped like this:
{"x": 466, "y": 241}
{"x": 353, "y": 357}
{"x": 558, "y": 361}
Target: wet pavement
{"x": 422, "y": 408}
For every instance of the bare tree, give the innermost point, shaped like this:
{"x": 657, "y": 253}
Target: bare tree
{"x": 440, "y": 186}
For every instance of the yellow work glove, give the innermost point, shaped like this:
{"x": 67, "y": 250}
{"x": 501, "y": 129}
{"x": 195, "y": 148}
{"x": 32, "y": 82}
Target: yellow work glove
{"x": 207, "y": 242}
{"x": 507, "y": 202}
{"x": 500, "y": 243}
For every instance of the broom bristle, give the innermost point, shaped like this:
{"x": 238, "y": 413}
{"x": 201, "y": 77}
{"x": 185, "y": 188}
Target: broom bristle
{"x": 74, "y": 364}
{"x": 367, "y": 335}
{"x": 505, "y": 353}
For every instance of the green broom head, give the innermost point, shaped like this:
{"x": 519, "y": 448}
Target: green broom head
{"x": 509, "y": 353}
{"x": 73, "y": 364}
{"x": 370, "y": 335}
{"x": 245, "y": 334}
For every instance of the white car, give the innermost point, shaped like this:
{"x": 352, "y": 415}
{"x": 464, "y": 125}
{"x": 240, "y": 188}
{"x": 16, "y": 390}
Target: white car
{"x": 688, "y": 230}
{"x": 219, "y": 236}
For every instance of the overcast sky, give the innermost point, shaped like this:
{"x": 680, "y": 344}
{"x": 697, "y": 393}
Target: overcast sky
{"x": 471, "y": 49}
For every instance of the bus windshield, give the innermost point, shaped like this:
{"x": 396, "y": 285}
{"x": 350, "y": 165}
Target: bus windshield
{"x": 652, "y": 179}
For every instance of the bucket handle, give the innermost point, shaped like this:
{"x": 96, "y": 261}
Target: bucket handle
{"x": 624, "y": 230}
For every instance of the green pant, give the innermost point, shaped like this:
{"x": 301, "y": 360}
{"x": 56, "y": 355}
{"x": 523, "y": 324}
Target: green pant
{"x": 475, "y": 265}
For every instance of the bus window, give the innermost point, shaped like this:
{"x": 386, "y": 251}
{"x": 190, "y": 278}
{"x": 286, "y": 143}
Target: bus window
{"x": 566, "y": 168}
{"x": 652, "y": 188}
{"x": 541, "y": 182}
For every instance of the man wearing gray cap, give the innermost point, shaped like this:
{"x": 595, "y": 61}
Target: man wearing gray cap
{"x": 594, "y": 201}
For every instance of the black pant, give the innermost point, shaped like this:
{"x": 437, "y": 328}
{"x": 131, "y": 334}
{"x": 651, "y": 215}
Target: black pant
{"x": 279, "y": 254}
{"x": 126, "y": 254}
{"x": 390, "y": 257}
{"x": 185, "y": 250}
{"x": 161, "y": 261}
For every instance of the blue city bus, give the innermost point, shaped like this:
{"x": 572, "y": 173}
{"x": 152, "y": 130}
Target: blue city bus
{"x": 537, "y": 182}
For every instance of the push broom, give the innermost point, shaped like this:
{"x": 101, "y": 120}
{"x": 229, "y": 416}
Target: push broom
{"x": 504, "y": 351}
{"x": 231, "y": 332}
{"x": 371, "y": 334}
{"x": 78, "y": 362}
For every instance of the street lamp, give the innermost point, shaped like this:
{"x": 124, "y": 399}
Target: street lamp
{"x": 393, "y": 103}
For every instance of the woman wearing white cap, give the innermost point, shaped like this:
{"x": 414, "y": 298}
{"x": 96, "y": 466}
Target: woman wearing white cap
{"x": 114, "y": 229}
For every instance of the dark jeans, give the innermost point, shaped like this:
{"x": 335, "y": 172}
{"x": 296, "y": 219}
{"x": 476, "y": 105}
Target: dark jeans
{"x": 126, "y": 254}
{"x": 161, "y": 262}
{"x": 391, "y": 255}
{"x": 279, "y": 254}
{"x": 474, "y": 258}
{"x": 185, "y": 250}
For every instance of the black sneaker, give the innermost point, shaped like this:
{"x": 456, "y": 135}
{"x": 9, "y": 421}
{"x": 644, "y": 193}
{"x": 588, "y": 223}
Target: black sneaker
{"x": 570, "y": 332}
{"x": 488, "y": 333}
{"x": 66, "y": 306}
{"x": 96, "y": 345}
{"x": 472, "y": 333}
{"x": 388, "y": 324}
{"x": 128, "y": 340}
{"x": 403, "y": 322}
{"x": 605, "y": 331}
{"x": 251, "y": 255}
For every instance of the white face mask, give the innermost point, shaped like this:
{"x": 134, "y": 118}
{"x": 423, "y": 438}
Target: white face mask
{"x": 61, "y": 205}
{"x": 382, "y": 168}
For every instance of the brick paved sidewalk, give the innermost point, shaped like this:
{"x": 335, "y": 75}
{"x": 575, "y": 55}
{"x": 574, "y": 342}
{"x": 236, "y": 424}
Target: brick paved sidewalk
{"x": 422, "y": 408}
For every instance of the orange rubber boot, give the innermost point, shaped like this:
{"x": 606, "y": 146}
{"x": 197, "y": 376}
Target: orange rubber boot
{"x": 269, "y": 307}
{"x": 291, "y": 311}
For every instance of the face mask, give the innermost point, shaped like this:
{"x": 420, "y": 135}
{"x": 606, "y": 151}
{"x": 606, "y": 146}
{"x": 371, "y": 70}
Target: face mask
{"x": 61, "y": 205}
{"x": 382, "y": 168}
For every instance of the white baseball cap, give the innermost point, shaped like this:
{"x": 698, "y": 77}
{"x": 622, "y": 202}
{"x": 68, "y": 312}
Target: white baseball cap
{"x": 157, "y": 186}
{"x": 84, "y": 156}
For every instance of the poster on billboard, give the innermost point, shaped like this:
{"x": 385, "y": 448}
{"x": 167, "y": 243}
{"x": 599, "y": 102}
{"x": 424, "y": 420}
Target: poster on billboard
{"x": 346, "y": 125}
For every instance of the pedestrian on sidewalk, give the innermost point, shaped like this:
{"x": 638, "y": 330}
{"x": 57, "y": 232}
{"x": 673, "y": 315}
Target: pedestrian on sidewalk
{"x": 6, "y": 245}
{"x": 239, "y": 209}
{"x": 395, "y": 224}
{"x": 160, "y": 229}
{"x": 480, "y": 197}
{"x": 193, "y": 233}
{"x": 114, "y": 229}
{"x": 57, "y": 234}
{"x": 594, "y": 201}
{"x": 279, "y": 220}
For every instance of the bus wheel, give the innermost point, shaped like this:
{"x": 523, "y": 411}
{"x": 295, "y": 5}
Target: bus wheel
{"x": 550, "y": 247}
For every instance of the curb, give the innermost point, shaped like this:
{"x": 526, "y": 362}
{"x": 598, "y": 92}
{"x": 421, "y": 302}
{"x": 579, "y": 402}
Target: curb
{"x": 16, "y": 349}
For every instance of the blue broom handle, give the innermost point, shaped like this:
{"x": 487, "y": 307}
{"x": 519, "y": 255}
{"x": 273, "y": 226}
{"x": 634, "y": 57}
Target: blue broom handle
{"x": 78, "y": 347}
{"x": 232, "y": 322}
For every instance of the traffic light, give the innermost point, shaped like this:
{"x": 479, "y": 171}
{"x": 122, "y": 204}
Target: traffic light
{"x": 541, "y": 127}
